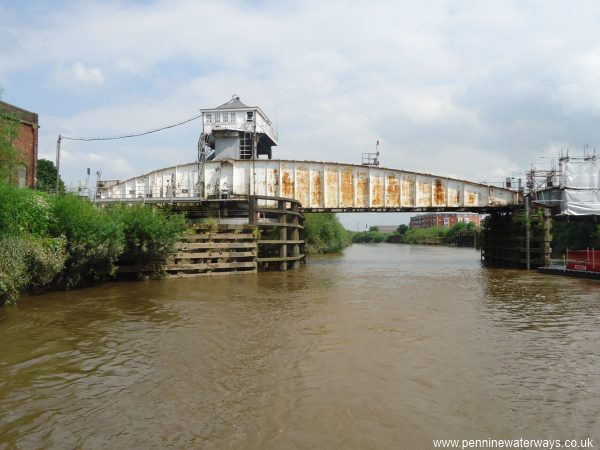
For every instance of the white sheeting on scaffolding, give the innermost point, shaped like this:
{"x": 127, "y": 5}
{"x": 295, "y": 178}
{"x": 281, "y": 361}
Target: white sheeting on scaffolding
{"x": 580, "y": 185}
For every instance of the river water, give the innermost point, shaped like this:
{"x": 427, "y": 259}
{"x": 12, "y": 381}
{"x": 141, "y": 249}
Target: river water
{"x": 383, "y": 347}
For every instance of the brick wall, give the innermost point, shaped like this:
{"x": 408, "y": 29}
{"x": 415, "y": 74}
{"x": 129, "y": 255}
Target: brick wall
{"x": 442, "y": 219}
{"x": 26, "y": 140}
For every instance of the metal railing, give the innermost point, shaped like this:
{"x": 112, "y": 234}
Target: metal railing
{"x": 587, "y": 260}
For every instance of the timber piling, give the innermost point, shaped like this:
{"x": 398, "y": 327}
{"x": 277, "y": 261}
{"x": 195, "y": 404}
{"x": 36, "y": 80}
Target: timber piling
{"x": 279, "y": 223}
{"x": 519, "y": 238}
{"x": 245, "y": 236}
{"x": 213, "y": 250}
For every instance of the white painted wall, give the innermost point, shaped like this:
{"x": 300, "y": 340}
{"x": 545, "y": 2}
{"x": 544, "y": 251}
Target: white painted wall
{"x": 314, "y": 184}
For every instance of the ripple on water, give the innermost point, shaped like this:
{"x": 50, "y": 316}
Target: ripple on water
{"x": 382, "y": 347}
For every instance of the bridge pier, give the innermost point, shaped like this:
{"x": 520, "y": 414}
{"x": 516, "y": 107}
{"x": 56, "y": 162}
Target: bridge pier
{"x": 520, "y": 238}
{"x": 250, "y": 234}
{"x": 279, "y": 222}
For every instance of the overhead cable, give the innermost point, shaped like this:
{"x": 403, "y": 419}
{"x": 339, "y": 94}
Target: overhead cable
{"x": 129, "y": 135}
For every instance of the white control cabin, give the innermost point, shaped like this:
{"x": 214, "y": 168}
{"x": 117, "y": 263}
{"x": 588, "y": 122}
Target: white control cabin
{"x": 236, "y": 131}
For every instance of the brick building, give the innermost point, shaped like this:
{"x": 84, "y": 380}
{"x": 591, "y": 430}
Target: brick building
{"x": 26, "y": 141}
{"x": 443, "y": 219}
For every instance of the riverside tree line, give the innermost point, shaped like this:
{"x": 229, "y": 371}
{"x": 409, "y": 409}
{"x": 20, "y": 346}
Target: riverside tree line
{"x": 60, "y": 241}
{"x": 63, "y": 242}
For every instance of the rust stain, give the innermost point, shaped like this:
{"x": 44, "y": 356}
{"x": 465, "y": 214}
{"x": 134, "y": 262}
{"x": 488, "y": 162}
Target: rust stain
{"x": 362, "y": 189}
{"x": 454, "y": 197}
{"x": 302, "y": 186}
{"x": 331, "y": 191}
{"x": 471, "y": 199}
{"x": 408, "y": 192}
{"x": 392, "y": 194}
{"x": 377, "y": 192}
{"x": 347, "y": 188}
{"x": 273, "y": 183}
{"x": 423, "y": 194}
{"x": 331, "y": 179}
{"x": 439, "y": 193}
{"x": 317, "y": 193}
{"x": 287, "y": 184}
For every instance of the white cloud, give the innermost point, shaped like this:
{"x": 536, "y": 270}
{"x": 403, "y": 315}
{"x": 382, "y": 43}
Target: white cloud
{"x": 78, "y": 75}
{"x": 454, "y": 87}
{"x": 87, "y": 75}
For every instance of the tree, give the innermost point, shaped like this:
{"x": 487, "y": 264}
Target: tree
{"x": 402, "y": 229}
{"x": 46, "y": 179}
{"x": 373, "y": 228}
{"x": 10, "y": 157}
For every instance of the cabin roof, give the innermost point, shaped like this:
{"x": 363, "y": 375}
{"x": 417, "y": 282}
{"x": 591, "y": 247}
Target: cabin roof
{"x": 234, "y": 103}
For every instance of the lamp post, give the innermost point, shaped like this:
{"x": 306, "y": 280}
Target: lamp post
{"x": 58, "y": 163}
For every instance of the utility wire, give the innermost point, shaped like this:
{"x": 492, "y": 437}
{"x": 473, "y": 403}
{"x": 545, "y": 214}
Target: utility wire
{"x": 130, "y": 135}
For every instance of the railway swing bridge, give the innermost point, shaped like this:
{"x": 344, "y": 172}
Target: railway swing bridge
{"x": 235, "y": 180}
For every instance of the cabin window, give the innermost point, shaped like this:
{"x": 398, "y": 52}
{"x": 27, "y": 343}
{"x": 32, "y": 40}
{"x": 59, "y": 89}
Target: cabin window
{"x": 233, "y": 117}
{"x": 209, "y": 117}
{"x": 225, "y": 117}
{"x": 250, "y": 116}
{"x": 467, "y": 220}
{"x": 446, "y": 222}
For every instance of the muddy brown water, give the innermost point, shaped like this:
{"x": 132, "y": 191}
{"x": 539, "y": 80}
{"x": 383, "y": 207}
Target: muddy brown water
{"x": 383, "y": 347}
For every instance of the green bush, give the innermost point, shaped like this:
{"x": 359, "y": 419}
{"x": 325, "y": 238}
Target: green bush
{"x": 14, "y": 275}
{"x": 94, "y": 241}
{"x": 23, "y": 211}
{"x": 457, "y": 228}
{"x": 148, "y": 232}
{"x": 373, "y": 235}
{"x": 212, "y": 223}
{"x": 45, "y": 260}
{"x": 28, "y": 262}
{"x": 63, "y": 242}
{"x": 426, "y": 236}
{"x": 323, "y": 233}
{"x": 29, "y": 258}
{"x": 579, "y": 234}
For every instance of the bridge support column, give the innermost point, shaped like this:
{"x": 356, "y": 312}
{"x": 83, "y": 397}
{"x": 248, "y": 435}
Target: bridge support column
{"x": 283, "y": 235}
{"x": 295, "y": 237}
{"x": 517, "y": 238}
{"x": 279, "y": 246}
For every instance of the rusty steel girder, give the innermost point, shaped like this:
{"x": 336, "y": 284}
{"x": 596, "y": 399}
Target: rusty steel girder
{"x": 318, "y": 186}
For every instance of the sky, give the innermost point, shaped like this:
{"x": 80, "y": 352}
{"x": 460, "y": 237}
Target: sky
{"x": 480, "y": 90}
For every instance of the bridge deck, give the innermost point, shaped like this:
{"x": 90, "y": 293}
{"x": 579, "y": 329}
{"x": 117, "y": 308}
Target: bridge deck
{"x": 318, "y": 186}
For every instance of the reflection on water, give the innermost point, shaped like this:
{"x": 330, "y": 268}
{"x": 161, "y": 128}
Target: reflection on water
{"x": 386, "y": 346}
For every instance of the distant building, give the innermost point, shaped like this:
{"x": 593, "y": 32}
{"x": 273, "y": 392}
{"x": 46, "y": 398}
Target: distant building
{"x": 387, "y": 228}
{"x": 443, "y": 219}
{"x": 26, "y": 141}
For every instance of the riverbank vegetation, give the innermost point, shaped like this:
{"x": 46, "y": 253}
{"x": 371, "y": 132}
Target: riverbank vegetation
{"x": 371, "y": 235}
{"x": 323, "y": 233}
{"x": 438, "y": 235}
{"x": 62, "y": 242}
{"x": 423, "y": 236}
{"x": 576, "y": 235}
